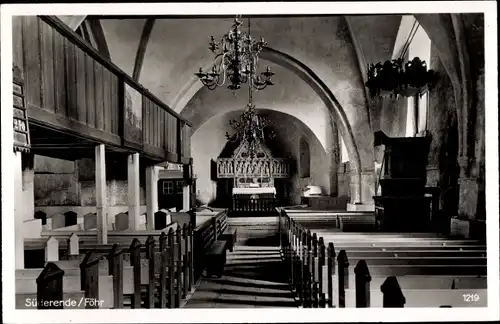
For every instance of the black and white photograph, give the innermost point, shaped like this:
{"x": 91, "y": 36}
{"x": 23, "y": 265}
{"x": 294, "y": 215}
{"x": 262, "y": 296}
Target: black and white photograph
{"x": 233, "y": 159}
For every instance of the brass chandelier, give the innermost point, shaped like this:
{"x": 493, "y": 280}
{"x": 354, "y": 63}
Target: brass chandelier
{"x": 250, "y": 127}
{"x": 236, "y": 58}
{"x": 395, "y": 78}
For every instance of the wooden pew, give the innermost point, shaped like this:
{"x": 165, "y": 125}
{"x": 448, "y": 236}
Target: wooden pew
{"x": 225, "y": 232}
{"x": 70, "y": 280}
{"x": 391, "y": 294}
{"x": 157, "y": 278}
{"x": 50, "y": 279}
{"x": 330, "y": 269}
{"x": 209, "y": 250}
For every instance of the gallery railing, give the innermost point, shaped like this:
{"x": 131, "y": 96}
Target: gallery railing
{"x": 73, "y": 88}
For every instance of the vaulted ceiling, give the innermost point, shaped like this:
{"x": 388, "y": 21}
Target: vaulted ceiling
{"x": 330, "y": 51}
{"x": 164, "y": 54}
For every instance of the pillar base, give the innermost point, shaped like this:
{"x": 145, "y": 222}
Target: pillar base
{"x": 468, "y": 198}
{"x": 460, "y": 227}
{"x": 361, "y": 207}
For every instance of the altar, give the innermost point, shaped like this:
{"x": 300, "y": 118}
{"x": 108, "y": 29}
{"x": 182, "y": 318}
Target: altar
{"x": 253, "y": 178}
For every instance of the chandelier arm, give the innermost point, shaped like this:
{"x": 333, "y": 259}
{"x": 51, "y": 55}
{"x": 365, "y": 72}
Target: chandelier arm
{"x": 223, "y": 67}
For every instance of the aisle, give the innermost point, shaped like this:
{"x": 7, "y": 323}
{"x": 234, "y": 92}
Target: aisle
{"x": 253, "y": 278}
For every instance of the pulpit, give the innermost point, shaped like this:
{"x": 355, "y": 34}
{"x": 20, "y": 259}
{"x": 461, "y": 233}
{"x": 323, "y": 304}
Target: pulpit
{"x": 402, "y": 205}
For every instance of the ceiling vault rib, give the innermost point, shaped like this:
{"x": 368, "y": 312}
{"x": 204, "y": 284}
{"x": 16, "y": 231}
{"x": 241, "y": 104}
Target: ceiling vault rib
{"x": 362, "y": 64}
{"x": 102, "y": 45}
{"x": 141, "y": 49}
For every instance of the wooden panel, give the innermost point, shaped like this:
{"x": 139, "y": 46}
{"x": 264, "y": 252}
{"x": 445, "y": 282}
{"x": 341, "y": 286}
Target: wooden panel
{"x": 150, "y": 120}
{"x": 147, "y": 122}
{"x": 145, "y": 119}
{"x": 47, "y": 72}
{"x": 153, "y": 124}
{"x": 175, "y": 134}
{"x": 17, "y": 42}
{"x": 81, "y": 85}
{"x": 59, "y": 74}
{"x": 90, "y": 90}
{"x": 133, "y": 115}
{"x": 169, "y": 133}
{"x": 32, "y": 66}
{"x": 40, "y": 116}
{"x": 99, "y": 107}
{"x": 157, "y": 126}
{"x": 107, "y": 100}
{"x": 71, "y": 90}
{"x": 114, "y": 103}
{"x": 162, "y": 129}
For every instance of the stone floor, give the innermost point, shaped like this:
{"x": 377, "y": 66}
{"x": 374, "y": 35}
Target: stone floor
{"x": 253, "y": 278}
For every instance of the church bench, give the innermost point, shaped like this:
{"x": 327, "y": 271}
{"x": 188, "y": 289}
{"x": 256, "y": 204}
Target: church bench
{"x": 171, "y": 275}
{"x": 215, "y": 258}
{"x": 432, "y": 270}
{"x": 429, "y": 282}
{"x": 391, "y": 247}
{"x": 425, "y": 297}
{"x": 89, "y": 238}
{"x": 26, "y": 288}
{"x": 225, "y": 233}
{"x": 419, "y": 261}
{"x": 322, "y": 276}
{"x": 413, "y": 253}
{"x": 356, "y": 223}
{"x": 70, "y": 266}
{"x": 400, "y": 243}
{"x": 206, "y": 240}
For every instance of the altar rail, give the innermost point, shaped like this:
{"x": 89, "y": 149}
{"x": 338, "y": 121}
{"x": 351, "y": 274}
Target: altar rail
{"x": 242, "y": 206}
{"x": 72, "y": 88}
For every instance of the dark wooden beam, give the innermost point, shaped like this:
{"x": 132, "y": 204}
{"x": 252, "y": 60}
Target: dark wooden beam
{"x": 100, "y": 39}
{"x": 69, "y": 146}
{"x": 85, "y": 31}
{"x": 43, "y": 118}
{"x": 73, "y": 37}
{"x": 64, "y": 154}
{"x": 141, "y": 49}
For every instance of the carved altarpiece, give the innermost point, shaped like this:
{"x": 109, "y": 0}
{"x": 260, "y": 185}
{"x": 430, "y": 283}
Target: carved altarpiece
{"x": 252, "y": 172}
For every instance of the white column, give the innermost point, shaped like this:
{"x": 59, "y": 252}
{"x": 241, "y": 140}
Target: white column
{"x": 133, "y": 192}
{"x": 411, "y": 120}
{"x": 18, "y": 210}
{"x": 100, "y": 194}
{"x": 151, "y": 196}
{"x": 186, "y": 197}
{"x": 29, "y": 189}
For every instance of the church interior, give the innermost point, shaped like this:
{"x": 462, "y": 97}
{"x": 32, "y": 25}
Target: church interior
{"x": 250, "y": 161}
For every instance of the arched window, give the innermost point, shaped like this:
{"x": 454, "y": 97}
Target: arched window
{"x": 305, "y": 159}
{"x": 344, "y": 157}
{"x": 419, "y": 46}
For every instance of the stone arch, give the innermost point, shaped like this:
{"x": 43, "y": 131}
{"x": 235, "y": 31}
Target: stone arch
{"x": 212, "y": 141}
{"x": 306, "y": 74}
{"x": 446, "y": 34}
